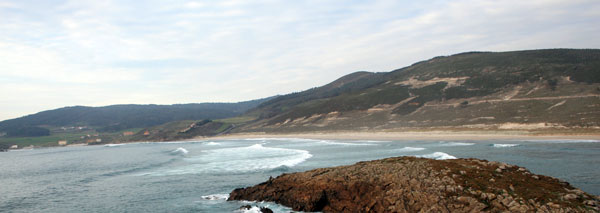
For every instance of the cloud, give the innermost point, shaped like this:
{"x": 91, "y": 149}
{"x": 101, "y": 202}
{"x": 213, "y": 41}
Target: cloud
{"x": 193, "y": 5}
{"x": 108, "y": 52}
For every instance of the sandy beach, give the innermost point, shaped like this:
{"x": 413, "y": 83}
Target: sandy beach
{"x": 415, "y": 135}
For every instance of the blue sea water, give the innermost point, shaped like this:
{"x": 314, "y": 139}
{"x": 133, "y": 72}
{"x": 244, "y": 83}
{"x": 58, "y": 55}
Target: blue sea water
{"x": 197, "y": 176}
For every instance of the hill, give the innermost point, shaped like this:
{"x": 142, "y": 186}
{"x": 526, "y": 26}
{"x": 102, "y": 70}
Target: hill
{"x": 119, "y": 123}
{"x": 119, "y": 117}
{"x": 532, "y": 89}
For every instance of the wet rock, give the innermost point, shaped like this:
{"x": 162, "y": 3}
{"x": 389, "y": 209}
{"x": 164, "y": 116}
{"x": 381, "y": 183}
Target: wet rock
{"x": 409, "y": 184}
{"x": 261, "y": 209}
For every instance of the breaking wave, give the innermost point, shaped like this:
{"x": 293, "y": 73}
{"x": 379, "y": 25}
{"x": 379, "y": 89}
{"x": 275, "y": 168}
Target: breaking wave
{"x": 253, "y": 209}
{"x": 346, "y": 143}
{"x": 213, "y": 143}
{"x": 238, "y": 160}
{"x": 113, "y": 145}
{"x": 564, "y": 141}
{"x": 215, "y": 197}
{"x": 179, "y": 151}
{"x": 410, "y": 149}
{"x": 281, "y": 139}
{"x": 504, "y": 145}
{"x": 456, "y": 144}
{"x": 374, "y": 141}
{"x": 437, "y": 156}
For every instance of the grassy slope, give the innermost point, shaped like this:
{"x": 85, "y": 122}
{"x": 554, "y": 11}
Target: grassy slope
{"x": 487, "y": 76}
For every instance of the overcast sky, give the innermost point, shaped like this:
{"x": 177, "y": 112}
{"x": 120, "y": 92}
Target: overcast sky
{"x": 57, "y": 53}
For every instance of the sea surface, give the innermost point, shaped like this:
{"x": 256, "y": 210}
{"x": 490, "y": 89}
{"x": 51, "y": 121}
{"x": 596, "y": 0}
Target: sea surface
{"x": 197, "y": 176}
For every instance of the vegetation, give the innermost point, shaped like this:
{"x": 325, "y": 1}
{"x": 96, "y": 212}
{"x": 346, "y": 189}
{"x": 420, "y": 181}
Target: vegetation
{"x": 237, "y": 120}
{"x": 108, "y": 124}
{"x": 483, "y": 75}
{"x": 179, "y": 130}
{"x": 43, "y": 141}
{"x": 4, "y": 147}
{"x": 556, "y": 87}
{"x": 27, "y": 131}
{"x": 119, "y": 117}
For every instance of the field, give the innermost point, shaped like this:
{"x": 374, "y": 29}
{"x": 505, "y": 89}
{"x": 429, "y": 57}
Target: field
{"x": 73, "y": 137}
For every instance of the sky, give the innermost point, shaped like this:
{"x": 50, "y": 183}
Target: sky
{"x": 56, "y": 53}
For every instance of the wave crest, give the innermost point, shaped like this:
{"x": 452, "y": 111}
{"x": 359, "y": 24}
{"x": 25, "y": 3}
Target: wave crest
{"x": 501, "y": 145}
{"x": 239, "y": 160}
{"x": 438, "y": 156}
{"x": 213, "y": 143}
{"x": 215, "y": 197}
{"x": 180, "y": 151}
{"x": 113, "y": 145}
{"x": 456, "y": 144}
{"x": 410, "y": 149}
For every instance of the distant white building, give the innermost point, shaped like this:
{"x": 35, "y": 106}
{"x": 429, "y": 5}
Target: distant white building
{"x": 14, "y": 146}
{"x": 62, "y": 143}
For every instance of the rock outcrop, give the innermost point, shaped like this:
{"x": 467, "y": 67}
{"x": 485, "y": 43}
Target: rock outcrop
{"x": 409, "y": 184}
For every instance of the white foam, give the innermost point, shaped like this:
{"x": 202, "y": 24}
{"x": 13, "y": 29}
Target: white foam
{"x": 373, "y": 141}
{"x": 175, "y": 142}
{"x": 238, "y": 160}
{"x": 215, "y": 197}
{"x": 180, "y": 151}
{"x": 564, "y": 141}
{"x": 254, "y": 209}
{"x": 410, "y": 149}
{"x": 437, "y": 156}
{"x": 456, "y": 144}
{"x": 280, "y": 139}
{"x": 213, "y": 143}
{"x": 113, "y": 145}
{"x": 349, "y": 143}
{"x": 504, "y": 145}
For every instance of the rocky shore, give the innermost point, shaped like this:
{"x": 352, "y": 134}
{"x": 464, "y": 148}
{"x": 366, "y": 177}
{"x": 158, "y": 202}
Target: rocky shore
{"x": 409, "y": 184}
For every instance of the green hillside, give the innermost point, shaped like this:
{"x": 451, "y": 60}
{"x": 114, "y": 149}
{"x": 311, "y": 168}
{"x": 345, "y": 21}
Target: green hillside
{"x": 463, "y": 90}
{"x": 119, "y": 117}
{"x": 555, "y": 90}
{"x": 116, "y": 123}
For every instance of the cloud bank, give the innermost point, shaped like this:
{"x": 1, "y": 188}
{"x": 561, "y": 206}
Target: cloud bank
{"x": 77, "y": 52}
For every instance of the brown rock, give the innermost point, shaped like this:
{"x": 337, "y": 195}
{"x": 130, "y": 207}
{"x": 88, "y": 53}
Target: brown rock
{"x": 570, "y": 197}
{"x": 590, "y": 203}
{"x": 409, "y": 184}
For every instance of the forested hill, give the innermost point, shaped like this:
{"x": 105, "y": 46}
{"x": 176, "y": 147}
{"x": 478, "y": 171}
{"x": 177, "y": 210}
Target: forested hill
{"x": 552, "y": 88}
{"x": 119, "y": 117}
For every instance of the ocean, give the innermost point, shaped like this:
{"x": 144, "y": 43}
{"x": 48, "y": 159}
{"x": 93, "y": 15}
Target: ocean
{"x": 197, "y": 176}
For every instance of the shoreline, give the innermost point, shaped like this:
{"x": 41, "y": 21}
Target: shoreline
{"x": 447, "y": 135}
{"x": 411, "y": 135}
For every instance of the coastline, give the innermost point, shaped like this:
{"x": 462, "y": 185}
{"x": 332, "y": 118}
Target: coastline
{"x": 412, "y": 135}
{"x": 421, "y": 134}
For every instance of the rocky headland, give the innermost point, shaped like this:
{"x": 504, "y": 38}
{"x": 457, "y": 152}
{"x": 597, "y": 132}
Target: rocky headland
{"x": 410, "y": 184}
